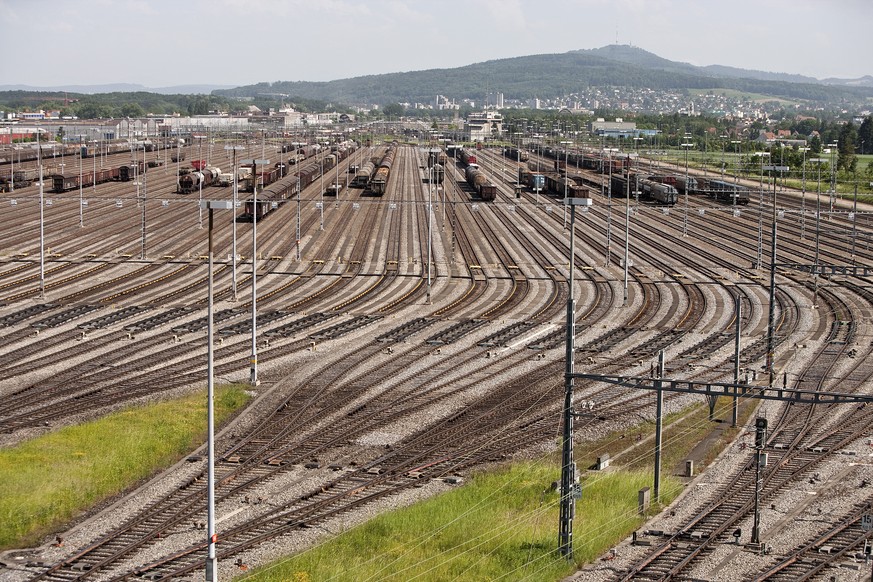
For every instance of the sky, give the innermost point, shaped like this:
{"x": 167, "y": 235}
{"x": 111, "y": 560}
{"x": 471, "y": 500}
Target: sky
{"x": 163, "y": 43}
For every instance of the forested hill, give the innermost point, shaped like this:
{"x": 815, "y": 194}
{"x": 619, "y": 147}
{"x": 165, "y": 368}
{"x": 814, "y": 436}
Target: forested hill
{"x": 545, "y": 76}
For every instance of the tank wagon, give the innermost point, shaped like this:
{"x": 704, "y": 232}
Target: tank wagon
{"x": 193, "y": 181}
{"x": 477, "y": 180}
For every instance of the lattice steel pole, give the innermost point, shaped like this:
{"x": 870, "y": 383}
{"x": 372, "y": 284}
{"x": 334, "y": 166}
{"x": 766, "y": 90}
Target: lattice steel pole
{"x": 569, "y": 491}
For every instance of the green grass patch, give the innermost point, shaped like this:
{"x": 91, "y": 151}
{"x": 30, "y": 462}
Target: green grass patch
{"x": 502, "y": 525}
{"x": 47, "y": 481}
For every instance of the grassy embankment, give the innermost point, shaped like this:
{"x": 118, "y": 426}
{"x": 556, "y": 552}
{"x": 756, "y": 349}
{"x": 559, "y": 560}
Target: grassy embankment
{"x": 502, "y": 525}
{"x": 51, "y": 479}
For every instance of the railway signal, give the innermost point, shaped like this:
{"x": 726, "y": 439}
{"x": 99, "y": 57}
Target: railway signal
{"x": 760, "y": 443}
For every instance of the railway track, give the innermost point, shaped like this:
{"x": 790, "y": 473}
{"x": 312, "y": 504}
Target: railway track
{"x": 795, "y": 447}
{"x": 424, "y": 369}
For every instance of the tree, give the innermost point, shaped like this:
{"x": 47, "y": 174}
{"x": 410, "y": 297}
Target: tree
{"x": 865, "y": 135}
{"x": 805, "y": 127}
{"x": 846, "y": 159}
{"x": 198, "y": 105}
{"x": 93, "y": 111}
{"x": 132, "y": 110}
{"x": 394, "y": 110}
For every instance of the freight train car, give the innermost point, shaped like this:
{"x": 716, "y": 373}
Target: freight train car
{"x": 436, "y": 173}
{"x": 686, "y": 184}
{"x": 516, "y": 154}
{"x": 619, "y": 185}
{"x": 275, "y": 194}
{"x": 194, "y": 181}
{"x": 565, "y": 186}
{"x": 604, "y": 164}
{"x": 728, "y": 192}
{"x": 66, "y": 182}
{"x": 657, "y": 192}
{"x": 379, "y": 182}
{"x": 467, "y": 157}
{"x": 477, "y": 180}
{"x": 308, "y": 175}
{"x": 436, "y": 156}
{"x": 328, "y": 162}
{"x": 533, "y": 180}
{"x": 25, "y": 177}
{"x": 665, "y": 179}
{"x": 335, "y": 187}
{"x": 308, "y": 151}
{"x": 130, "y": 171}
{"x": 363, "y": 175}
{"x": 264, "y": 178}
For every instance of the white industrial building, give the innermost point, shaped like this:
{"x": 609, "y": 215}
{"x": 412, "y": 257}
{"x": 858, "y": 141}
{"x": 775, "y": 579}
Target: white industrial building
{"x": 483, "y": 125}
